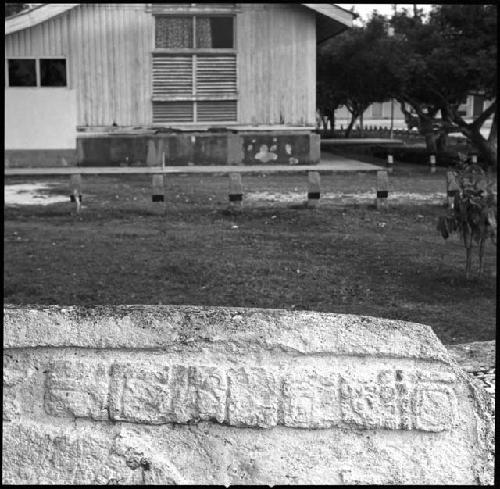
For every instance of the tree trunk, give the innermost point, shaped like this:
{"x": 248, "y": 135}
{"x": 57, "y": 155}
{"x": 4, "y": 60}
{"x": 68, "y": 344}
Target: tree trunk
{"x": 361, "y": 126}
{"x": 428, "y": 132}
{"x": 442, "y": 142}
{"x": 486, "y": 149}
{"x": 349, "y": 127}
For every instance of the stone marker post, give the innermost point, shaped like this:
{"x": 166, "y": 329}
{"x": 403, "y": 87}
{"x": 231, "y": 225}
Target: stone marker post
{"x": 75, "y": 186}
{"x": 314, "y": 190}
{"x": 158, "y": 194}
{"x": 382, "y": 189}
{"x": 390, "y": 163}
{"x": 432, "y": 163}
{"x": 235, "y": 191}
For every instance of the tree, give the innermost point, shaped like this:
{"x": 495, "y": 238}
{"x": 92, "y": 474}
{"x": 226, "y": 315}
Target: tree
{"x": 474, "y": 213}
{"x": 440, "y": 61}
{"x": 352, "y": 70}
{"x": 14, "y": 8}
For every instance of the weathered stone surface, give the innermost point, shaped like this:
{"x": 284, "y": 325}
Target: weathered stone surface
{"x": 253, "y": 397}
{"x": 168, "y": 394}
{"x": 221, "y": 396}
{"x": 139, "y": 393}
{"x": 78, "y": 389}
{"x": 311, "y": 398}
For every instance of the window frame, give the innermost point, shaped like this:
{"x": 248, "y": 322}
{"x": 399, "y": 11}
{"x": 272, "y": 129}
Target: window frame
{"x": 196, "y": 50}
{"x": 37, "y": 72}
{"x": 194, "y": 98}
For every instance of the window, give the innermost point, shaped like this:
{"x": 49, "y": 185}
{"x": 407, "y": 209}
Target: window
{"x": 194, "y": 69}
{"x": 22, "y": 73}
{"x": 214, "y": 32}
{"x": 174, "y": 32}
{"x": 42, "y": 72}
{"x": 53, "y": 72}
{"x": 210, "y": 32}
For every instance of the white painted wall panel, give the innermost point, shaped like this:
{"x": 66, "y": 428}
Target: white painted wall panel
{"x": 40, "y": 118}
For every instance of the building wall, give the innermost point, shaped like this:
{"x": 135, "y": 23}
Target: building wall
{"x": 376, "y": 112}
{"x": 108, "y": 50}
{"x": 277, "y": 64}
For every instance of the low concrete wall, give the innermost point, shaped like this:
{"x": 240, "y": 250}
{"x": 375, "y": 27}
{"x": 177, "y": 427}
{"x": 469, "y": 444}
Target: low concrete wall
{"x": 199, "y": 148}
{"x": 39, "y": 158}
{"x": 205, "y": 395}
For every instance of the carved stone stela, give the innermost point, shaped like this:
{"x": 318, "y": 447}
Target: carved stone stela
{"x": 249, "y": 396}
{"x": 208, "y": 395}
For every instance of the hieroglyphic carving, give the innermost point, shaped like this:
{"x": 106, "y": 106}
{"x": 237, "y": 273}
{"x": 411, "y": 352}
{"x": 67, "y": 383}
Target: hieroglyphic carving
{"x": 253, "y": 397}
{"x": 77, "y": 388}
{"x": 301, "y": 397}
{"x": 175, "y": 394}
{"x": 139, "y": 393}
{"x": 311, "y": 399}
{"x": 434, "y": 408}
{"x": 397, "y": 400}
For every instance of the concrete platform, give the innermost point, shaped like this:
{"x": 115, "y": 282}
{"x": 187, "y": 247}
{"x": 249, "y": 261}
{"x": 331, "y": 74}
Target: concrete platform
{"x": 347, "y": 142}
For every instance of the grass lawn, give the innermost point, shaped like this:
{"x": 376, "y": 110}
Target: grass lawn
{"x": 344, "y": 258}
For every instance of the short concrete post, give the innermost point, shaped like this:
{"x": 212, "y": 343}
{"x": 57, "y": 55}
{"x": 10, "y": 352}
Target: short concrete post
{"x": 151, "y": 154}
{"x": 158, "y": 188}
{"x": 451, "y": 188}
{"x": 235, "y": 190}
{"x": 314, "y": 190}
{"x": 432, "y": 162}
{"x": 390, "y": 163}
{"x": 75, "y": 189}
{"x": 382, "y": 189}
{"x": 474, "y": 158}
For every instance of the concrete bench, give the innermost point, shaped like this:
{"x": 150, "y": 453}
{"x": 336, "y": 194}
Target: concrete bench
{"x": 234, "y": 172}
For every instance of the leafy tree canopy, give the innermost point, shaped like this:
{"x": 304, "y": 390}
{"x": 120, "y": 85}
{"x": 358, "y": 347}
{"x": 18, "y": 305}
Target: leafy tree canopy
{"x": 438, "y": 62}
{"x": 353, "y": 70}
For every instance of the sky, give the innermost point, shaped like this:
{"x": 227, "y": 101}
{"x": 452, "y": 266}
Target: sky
{"x": 365, "y": 9}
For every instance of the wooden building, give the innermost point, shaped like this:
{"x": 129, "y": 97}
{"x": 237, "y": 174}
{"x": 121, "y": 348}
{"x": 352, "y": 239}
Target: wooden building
{"x": 91, "y": 71}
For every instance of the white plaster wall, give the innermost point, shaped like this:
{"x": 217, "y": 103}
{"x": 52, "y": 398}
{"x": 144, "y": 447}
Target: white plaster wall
{"x": 40, "y": 118}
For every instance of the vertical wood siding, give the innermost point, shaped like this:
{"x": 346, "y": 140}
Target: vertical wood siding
{"x": 108, "y": 50}
{"x": 276, "y": 64}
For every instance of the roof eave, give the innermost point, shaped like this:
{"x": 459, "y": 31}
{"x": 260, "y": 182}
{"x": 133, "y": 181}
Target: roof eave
{"x": 32, "y": 17}
{"x": 331, "y": 20}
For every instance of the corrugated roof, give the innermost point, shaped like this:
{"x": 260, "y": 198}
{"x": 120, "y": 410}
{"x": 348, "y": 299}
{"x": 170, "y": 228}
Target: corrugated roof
{"x": 42, "y": 12}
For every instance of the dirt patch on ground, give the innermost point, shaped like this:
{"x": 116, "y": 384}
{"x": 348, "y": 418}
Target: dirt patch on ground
{"x": 34, "y": 193}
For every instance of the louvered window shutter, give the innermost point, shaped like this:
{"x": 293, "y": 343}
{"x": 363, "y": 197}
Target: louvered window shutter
{"x": 216, "y": 75}
{"x": 172, "y": 75}
{"x": 164, "y": 112}
{"x": 217, "y": 110}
